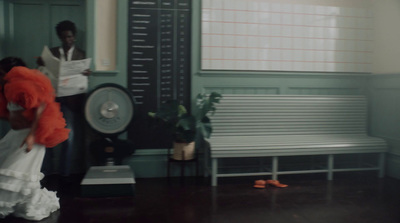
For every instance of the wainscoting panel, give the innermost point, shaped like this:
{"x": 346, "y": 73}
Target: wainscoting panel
{"x": 151, "y": 163}
{"x": 385, "y": 116}
{"x": 385, "y": 111}
{"x": 254, "y": 83}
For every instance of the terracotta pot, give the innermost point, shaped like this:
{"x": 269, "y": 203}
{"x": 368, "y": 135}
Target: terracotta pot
{"x": 185, "y": 150}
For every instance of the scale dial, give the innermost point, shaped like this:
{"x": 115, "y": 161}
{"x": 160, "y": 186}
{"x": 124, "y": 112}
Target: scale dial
{"x": 109, "y": 109}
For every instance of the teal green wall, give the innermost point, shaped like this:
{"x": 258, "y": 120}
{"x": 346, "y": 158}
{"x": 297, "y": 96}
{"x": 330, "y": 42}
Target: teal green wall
{"x": 382, "y": 89}
{"x": 385, "y": 116}
{"x": 251, "y": 83}
{"x": 30, "y": 24}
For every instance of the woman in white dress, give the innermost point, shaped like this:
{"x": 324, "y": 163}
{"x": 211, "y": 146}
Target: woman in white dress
{"x": 27, "y": 101}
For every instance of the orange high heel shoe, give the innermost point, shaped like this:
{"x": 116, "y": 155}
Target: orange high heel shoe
{"x": 275, "y": 183}
{"x": 261, "y": 184}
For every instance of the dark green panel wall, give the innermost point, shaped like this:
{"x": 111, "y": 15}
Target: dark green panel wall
{"x": 26, "y": 35}
{"x": 29, "y": 25}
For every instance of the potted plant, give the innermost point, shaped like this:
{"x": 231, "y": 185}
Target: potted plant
{"x": 184, "y": 126}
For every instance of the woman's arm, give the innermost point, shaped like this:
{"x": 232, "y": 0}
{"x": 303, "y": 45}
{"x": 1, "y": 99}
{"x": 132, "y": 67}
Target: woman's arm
{"x": 30, "y": 139}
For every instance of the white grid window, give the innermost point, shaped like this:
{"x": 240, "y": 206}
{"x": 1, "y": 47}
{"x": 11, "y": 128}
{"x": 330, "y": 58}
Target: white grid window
{"x": 258, "y": 35}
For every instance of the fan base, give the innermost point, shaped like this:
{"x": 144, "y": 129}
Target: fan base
{"x": 108, "y": 181}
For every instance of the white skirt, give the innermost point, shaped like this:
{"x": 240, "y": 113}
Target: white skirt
{"x": 20, "y": 191}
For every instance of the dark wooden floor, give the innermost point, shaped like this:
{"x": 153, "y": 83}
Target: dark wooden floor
{"x": 351, "y": 197}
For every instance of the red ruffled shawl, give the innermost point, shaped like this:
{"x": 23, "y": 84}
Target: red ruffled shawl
{"x": 29, "y": 88}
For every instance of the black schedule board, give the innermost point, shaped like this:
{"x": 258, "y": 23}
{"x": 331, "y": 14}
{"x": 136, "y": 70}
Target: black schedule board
{"x": 158, "y": 64}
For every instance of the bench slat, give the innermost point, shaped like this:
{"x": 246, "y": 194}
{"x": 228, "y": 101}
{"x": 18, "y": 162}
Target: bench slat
{"x": 267, "y": 115}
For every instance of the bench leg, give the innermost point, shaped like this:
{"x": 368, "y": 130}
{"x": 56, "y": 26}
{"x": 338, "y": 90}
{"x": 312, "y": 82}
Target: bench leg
{"x": 214, "y": 169}
{"x": 330, "y": 167}
{"x": 381, "y": 163}
{"x": 275, "y": 168}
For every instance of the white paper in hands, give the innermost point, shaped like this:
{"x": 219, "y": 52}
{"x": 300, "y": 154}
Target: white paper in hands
{"x": 71, "y": 85}
{"x": 51, "y": 62}
{"x": 71, "y": 81}
{"x": 66, "y": 76}
{"x": 69, "y": 68}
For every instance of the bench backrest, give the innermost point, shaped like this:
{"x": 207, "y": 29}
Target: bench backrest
{"x": 289, "y": 114}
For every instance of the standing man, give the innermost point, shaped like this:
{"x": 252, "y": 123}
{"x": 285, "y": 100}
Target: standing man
{"x": 71, "y": 105}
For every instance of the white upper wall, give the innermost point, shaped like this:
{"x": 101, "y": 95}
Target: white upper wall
{"x": 386, "y": 58}
{"x": 341, "y": 3}
{"x": 106, "y": 33}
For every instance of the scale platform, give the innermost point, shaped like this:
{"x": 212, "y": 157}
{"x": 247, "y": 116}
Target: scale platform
{"x": 108, "y": 181}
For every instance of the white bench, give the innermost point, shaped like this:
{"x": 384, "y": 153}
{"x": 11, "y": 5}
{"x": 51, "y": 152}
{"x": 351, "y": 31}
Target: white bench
{"x": 291, "y": 125}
